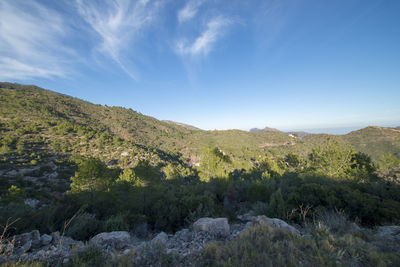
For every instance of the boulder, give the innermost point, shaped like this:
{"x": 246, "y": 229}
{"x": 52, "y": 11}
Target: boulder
{"x": 274, "y": 223}
{"x": 217, "y": 227}
{"x": 184, "y": 235}
{"x": 114, "y": 240}
{"x": 45, "y": 239}
{"x": 391, "y": 232}
{"x": 161, "y": 238}
{"x": 26, "y": 241}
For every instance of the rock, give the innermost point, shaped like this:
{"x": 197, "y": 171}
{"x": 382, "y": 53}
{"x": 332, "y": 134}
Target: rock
{"x": 124, "y": 154}
{"x": 35, "y": 237}
{"x": 114, "y": 240}
{"x": 56, "y": 238}
{"x": 12, "y": 173}
{"x": 274, "y": 223}
{"x": 68, "y": 243}
{"x": 112, "y": 162}
{"x": 218, "y": 227}
{"x": 28, "y": 170}
{"x": 161, "y": 238}
{"x": 389, "y": 232}
{"x": 25, "y": 247}
{"x": 45, "y": 239}
{"x": 52, "y": 175}
{"x": 184, "y": 235}
{"x": 26, "y": 241}
{"x": 31, "y": 202}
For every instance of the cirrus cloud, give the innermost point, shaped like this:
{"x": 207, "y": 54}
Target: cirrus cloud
{"x": 203, "y": 44}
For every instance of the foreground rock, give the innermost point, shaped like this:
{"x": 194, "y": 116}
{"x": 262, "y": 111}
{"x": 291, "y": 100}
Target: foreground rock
{"x": 274, "y": 223}
{"x": 184, "y": 245}
{"x": 31, "y": 246}
{"x": 114, "y": 240}
{"x": 218, "y": 227}
{"x": 391, "y": 232}
{"x": 264, "y": 220}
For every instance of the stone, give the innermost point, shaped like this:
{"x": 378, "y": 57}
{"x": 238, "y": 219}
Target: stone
{"x": 114, "y": 240}
{"x": 274, "y": 223}
{"x": 31, "y": 202}
{"x": 184, "y": 235}
{"x": 159, "y": 239}
{"x": 45, "y": 239}
{"x": 25, "y": 247}
{"x": 112, "y": 162}
{"x": 56, "y": 237}
{"x": 12, "y": 173}
{"x": 391, "y": 232}
{"x": 53, "y": 175}
{"x": 27, "y": 240}
{"x": 218, "y": 227}
{"x": 35, "y": 237}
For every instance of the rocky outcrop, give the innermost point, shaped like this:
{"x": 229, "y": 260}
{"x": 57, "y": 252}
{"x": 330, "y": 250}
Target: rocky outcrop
{"x": 391, "y": 232}
{"x": 271, "y": 222}
{"x": 33, "y": 246}
{"x": 218, "y": 227}
{"x": 183, "y": 245}
{"x": 112, "y": 240}
{"x": 274, "y": 223}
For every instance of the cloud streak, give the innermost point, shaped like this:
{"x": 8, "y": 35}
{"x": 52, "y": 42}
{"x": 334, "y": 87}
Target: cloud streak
{"x": 203, "y": 44}
{"x": 118, "y": 23}
{"x": 31, "y": 41}
{"x": 189, "y": 11}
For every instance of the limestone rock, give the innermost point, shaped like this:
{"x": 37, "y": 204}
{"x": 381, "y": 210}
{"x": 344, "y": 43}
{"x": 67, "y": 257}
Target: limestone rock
{"x": 217, "y": 227}
{"x": 391, "y": 232}
{"x": 114, "y": 240}
{"x": 161, "y": 238}
{"x": 274, "y": 223}
{"x": 45, "y": 239}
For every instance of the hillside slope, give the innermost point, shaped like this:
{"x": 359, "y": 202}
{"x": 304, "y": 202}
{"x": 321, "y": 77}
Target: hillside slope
{"x": 85, "y": 128}
{"x": 70, "y": 125}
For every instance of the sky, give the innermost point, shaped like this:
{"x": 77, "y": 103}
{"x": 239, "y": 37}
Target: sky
{"x": 214, "y": 64}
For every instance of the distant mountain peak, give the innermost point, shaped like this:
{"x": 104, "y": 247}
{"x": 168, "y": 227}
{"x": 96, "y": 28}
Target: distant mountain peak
{"x": 266, "y": 129}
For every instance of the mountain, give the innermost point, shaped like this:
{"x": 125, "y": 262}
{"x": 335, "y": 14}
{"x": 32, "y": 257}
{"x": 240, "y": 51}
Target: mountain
{"x": 266, "y": 129}
{"x": 375, "y": 140}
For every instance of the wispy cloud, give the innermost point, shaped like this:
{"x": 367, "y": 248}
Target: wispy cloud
{"x": 31, "y": 41}
{"x": 189, "y": 10}
{"x": 203, "y": 44}
{"x": 118, "y": 23}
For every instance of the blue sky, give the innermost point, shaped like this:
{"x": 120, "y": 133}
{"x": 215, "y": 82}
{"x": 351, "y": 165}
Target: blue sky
{"x": 288, "y": 64}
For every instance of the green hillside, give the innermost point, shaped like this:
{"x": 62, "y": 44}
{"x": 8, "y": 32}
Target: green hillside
{"x": 71, "y": 125}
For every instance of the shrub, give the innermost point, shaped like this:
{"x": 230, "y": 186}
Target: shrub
{"x": 116, "y": 223}
{"x": 91, "y": 256}
{"x": 83, "y": 226}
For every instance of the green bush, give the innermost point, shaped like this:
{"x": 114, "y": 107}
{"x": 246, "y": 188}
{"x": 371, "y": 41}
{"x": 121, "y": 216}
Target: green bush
{"x": 116, "y": 223}
{"x": 83, "y": 226}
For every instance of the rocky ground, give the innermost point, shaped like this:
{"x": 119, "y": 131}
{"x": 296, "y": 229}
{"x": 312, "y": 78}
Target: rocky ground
{"x": 184, "y": 245}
